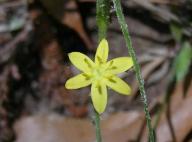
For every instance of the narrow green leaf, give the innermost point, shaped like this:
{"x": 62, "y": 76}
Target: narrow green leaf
{"x": 183, "y": 61}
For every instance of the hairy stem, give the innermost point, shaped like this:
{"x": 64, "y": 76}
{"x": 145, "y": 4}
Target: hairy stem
{"x": 97, "y": 127}
{"x": 124, "y": 28}
{"x": 102, "y": 8}
{"x": 102, "y": 17}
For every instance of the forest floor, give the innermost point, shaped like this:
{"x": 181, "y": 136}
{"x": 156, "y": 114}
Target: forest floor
{"x": 35, "y": 38}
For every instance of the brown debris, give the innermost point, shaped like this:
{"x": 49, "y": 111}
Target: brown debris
{"x": 73, "y": 20}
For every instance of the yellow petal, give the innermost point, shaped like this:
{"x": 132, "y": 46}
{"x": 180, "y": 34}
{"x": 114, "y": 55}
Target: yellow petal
{"x": 99, "y": 96}
{"x": 102, "y": 52}
{"x": 119, "y": 65}
{"x": 81, "y": 61}
{"x": 79, "y": 81}
{"x": 118, "y": 85}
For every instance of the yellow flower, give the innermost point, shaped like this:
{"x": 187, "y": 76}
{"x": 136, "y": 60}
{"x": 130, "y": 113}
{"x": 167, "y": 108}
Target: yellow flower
{"x": 99, "y": 74}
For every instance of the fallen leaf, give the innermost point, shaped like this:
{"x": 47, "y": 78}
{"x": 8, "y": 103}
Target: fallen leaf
{"x": 48, "y": 128}
{"x": 181, "y": 121}
{"x": 73, "y": 20}
{"x": 177, "y": 115}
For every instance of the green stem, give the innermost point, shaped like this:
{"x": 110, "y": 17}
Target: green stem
{"x": 102, "y": 8}
{"x": 124, "y": 28}
{"x": 97, "y": 127}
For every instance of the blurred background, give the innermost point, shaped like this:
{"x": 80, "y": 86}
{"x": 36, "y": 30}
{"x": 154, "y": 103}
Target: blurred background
{"x": 37, "y": 35}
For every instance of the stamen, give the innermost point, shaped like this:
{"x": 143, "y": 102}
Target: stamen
{"x": 87, "y": 62}
{"x": 111, "y": 80}
{"x": 111, "y": 63}
{"x": 114, "y": 67}
{"x": 111, "y": 67}
{"x": 99, "y": 59}
{"x": 99, "y": 89}
{"x": 87, "y": 77}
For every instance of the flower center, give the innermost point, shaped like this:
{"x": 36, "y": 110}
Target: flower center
{"x": 98, "y": 73}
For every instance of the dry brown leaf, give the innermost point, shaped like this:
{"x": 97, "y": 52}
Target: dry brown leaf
{"x": 121, "y": 127}
{"x": 180, "y": 117}
{"x": 181, "y": 114}
{"x": 67, "y": 12}
{"x": 73, "y": 20}
{"x": 53, "y": 128}
{"x": 49, "y": 128}
{"x": 181, "y": 121}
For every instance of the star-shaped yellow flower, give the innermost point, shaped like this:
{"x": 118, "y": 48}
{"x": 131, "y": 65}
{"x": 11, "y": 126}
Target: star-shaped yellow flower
{"x": 99, "y": 74}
